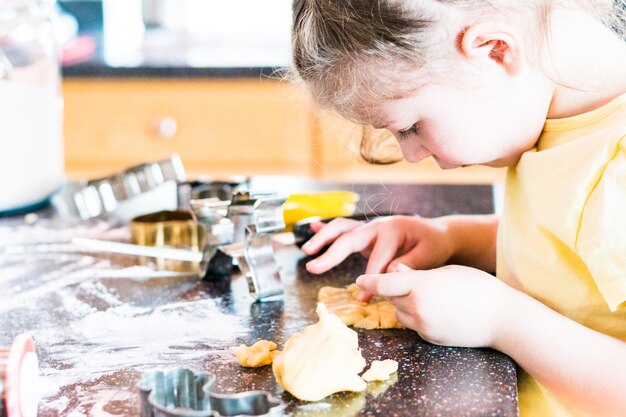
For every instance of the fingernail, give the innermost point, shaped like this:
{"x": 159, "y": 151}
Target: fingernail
{"x": 402, "y": 267}
{"x": 363, "y": 296}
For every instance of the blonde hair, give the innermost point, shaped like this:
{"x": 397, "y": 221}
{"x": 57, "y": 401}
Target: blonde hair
{"x": 343, "y": 49}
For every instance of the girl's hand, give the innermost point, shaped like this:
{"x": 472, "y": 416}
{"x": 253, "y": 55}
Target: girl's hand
{"x": 452, "y": 306}
{"x": 417, "y": 242}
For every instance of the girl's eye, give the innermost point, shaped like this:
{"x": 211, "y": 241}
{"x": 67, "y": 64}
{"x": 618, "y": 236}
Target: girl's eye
{"x": 405, "y": 134}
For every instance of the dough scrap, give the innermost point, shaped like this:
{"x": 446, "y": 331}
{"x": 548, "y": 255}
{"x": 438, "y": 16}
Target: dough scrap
{"x": 379, "y": 313}
{"x": 259, "y": 354}
{"x": 325, "y": 358}
{"x": 380, "y": 370}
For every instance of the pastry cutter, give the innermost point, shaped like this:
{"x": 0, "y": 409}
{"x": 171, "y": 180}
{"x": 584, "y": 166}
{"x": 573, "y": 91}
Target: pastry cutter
{"x": 181, "y": 392}
{"x": 19, "y": 371}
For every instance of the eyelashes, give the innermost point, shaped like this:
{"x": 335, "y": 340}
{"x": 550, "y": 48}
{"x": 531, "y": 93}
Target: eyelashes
{"x": 405, "y": 134}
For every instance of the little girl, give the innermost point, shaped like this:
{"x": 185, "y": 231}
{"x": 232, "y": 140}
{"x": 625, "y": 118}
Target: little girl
{"x": 538, "y": 86}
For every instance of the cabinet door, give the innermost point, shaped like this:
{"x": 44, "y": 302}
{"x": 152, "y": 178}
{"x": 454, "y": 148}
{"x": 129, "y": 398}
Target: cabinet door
{"x": 335, "y": 152}
{"x": 218, "y": 127}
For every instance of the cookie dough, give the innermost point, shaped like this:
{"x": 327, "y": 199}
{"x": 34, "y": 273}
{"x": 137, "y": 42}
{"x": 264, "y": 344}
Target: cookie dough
{"x": 378, "y": 313}
{"x": 380, "y": 370}
{"x": 325, "y": 358}
{"x": 259, "y": 354}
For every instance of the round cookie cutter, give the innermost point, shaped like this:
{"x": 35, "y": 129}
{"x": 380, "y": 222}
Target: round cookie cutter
{"x": 173, "y": 229}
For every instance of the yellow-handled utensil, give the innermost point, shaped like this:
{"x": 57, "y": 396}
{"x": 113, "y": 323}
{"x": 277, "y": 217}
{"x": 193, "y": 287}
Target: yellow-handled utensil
{"x": 323, "y": 204}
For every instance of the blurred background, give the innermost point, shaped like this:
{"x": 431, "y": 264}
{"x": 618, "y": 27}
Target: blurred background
{"x": 145, "y": 78}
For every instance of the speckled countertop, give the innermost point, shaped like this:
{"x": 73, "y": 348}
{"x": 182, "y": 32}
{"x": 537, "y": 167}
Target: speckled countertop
{"x": 100, "y": 320}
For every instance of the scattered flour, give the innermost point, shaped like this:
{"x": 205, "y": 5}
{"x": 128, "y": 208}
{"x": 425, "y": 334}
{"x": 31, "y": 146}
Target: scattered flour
{"x": 87, "y": 333}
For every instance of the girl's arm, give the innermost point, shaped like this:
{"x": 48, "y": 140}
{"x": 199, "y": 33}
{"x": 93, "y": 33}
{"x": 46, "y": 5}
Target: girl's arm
{"x": 460, "y": 306}
{"x": 586, "y": 368}
{"x": 474, "y": 240}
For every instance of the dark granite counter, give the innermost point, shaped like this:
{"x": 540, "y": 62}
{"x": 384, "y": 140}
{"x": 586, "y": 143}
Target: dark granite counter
{"x": 97, "y": 68}
{"x": 100, "y": 320}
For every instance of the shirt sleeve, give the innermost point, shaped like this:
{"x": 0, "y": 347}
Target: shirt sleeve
{"x": 601, "y": 241}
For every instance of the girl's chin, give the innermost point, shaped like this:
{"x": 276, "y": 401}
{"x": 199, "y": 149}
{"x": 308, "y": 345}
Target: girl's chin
{"x": 447, "y": 165}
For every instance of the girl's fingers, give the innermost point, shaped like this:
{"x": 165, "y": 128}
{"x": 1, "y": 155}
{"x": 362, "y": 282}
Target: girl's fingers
{"x": 363, "y": 296}
{"x": 405, "y": 318}
{"x": 366, "y": 296}
{"x": 326, "y": 233}
{"x": 413, "y": 259}
{"x": 387, "y": 285}
{"x": 400, "y": 267}
{"x": 384, "y": 250}
{"x": 316, "y": 226}
{"x": 344, "y": 246}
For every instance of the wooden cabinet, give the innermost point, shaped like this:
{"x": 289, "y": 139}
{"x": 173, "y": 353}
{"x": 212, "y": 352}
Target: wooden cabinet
{"x": 217, "y": 126}
{"x": 223, "y": 127}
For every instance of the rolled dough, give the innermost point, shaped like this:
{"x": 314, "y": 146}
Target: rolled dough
{"x": 325, "y": 358}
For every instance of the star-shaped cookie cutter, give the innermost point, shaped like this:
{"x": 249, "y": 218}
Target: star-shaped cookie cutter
{"x": 181, "y": 392}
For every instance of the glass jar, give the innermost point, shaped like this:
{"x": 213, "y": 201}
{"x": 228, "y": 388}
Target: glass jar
{"x": 31, "y": 106}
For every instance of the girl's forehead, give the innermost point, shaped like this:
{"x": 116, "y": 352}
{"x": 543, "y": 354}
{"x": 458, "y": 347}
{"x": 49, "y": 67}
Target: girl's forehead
{"x": 381, "y": 113}
{"x": 368, "y": 97}
{"x": 373, "y": 114}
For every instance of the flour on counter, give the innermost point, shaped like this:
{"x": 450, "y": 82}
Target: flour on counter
{"x": 140, "y": 336}
{"x": 46, "y": 231}
{"x": 97, "y": 318}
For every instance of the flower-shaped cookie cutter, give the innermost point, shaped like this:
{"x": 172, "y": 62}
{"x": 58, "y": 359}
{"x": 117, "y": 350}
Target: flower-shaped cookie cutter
{"x": 181, "y": 392}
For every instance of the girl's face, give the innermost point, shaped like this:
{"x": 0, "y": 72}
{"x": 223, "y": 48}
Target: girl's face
{"x": 487, "y": 118}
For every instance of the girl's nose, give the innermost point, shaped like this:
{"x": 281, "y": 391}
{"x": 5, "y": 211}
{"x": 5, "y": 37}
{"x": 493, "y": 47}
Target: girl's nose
{"x": 413, "y": 152}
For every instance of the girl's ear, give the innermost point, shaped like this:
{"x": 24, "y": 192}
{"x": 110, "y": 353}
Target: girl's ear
{"x": 494, "y": 41}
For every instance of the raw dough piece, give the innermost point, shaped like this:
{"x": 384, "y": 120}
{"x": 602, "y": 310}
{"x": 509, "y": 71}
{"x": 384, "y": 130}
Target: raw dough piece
{"x": 380, "y": 370}
{"x": 259, "y": 354}
{"x": 377, "y": 314}
{"x": 323, "y": 359}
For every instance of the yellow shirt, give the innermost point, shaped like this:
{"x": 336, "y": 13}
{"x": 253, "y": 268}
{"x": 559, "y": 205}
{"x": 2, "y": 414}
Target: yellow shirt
{"x": 562, "y": 235}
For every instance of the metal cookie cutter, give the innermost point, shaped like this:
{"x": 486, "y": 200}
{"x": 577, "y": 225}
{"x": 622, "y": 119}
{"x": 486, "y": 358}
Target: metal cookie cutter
{"x": 224, "y": 232}
{"x": 181, "y": 392}
{"x": 257, "y": 262}
{"x": 19, "y": 371}
{"x": 173, "y": 229}
{"x": 242, "y": 229}
{"x": 203, "y": 188}
{"x": 88, "y": 199}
